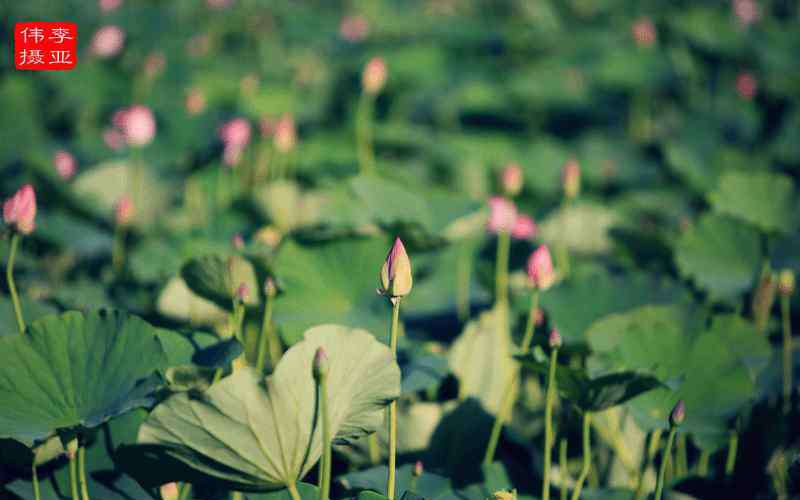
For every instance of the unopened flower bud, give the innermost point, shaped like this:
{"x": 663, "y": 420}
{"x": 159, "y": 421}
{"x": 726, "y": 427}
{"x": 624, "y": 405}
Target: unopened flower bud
{"x": 395, "y": 276}
{"x": 242, "y": 292}
{"x": 285, "y": 136}
{"x": 64, "y": 164}
{"x": 321, "y": 365}
{"x": 170, "y": 491}
{"x": 746, "y": 85}
{"x": 270, "y": 289}
{"x": 107, "y": 41}
{"x": 19, "y": 211}
{"x": 124, "y": 211}
{"x": 418, "y": 468}
{"x": 554, "y": 340}
{"x": 502, "y": 215}
{"x": 524, "y": 228}
{"x": 237, "y": 241}
{"x": 511, "y": 179}
{"x": 786, "y": 284}
{"x": 678, "y": 414}
{"x": 540, "y": 268}
{"x": 374, "y": 76}
{"x": 571, "y": 179}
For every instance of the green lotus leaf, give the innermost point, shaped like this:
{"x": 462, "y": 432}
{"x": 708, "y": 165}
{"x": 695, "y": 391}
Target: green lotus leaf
{"x": 581, "y": 228}
{"x": 262, "y": 434}
{"x": 764, "y": 199}
{"x": 216, "y": 278}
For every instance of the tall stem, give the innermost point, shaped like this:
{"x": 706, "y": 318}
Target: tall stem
{"x": 82, "y": 472}
{"x": 664, "y": 460}
{"x": 73, "y": 477}
{"x": 292, "y": 487}
{"x": 12, "y": 288}
{"x": 587, "y": 455}
{"x": 264, "y": 338}
{"x": 118, "y": 250}
{"x": 702, "y": 463}
{"x": 501, "y": 269}
{"x": 366, "y": 157}
{"x": 788, "y": 364}
{"x": 562, "y": 466}
{"x": 237, "y": 495}
{"x": 390, "y": 481}
{"x": 325, "y": 480}
{"x": 508, "y": 395}
{"x": 548, "y": 423}
{"x": 35, "y": 481}
{"x": 186, "y": 488}
{"x": 652, "y": 449}
{"x": 733, "y": 445}
{"x": 681, "y": 461}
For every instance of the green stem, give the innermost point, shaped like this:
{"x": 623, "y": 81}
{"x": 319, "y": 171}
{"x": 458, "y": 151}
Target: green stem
{"x": 463, "y": 277}
{"x": 587, "y": 455}
{"x": 374, "y": 449}
{"x": 118, "y": 250}
{"x": 681, "y": 461}
{"x": 325, "y": 480}
{"x": 702, "y": 463}
{"x": 652, "y": 448}
{"x": 82, "y": 472}
{"x": 665, "y": 459}
{"x": 733, "y": 444}
{"x": 12, "y": 288}
{"x": 186, "y": 488}
{"x": 73, "y": 478}
{"x": 530, "y": 326}
{"x": 788, "y": 363}
{"x": 562, "y": 466}
{"x": 237, "y": 495}
{"x": 35, "y": 481}
{"x": 501, "y": 268}
{"x": 390, "y": 481}
{"x": 292, "y": 487}
{"x": 366, "y": 156}
{"x": 548, "y": 423}
{"x": 263, "y": 339}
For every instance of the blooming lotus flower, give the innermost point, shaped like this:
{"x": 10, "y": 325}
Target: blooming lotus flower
{"x": 374, "y": 76}
{"x": 524, "y": 228}
{"x": 107, "y": 41}
{"x": 540, "y": 268}
{"x": 124, "y": 211}
{"x": 109, "y": 5}
{"x": 320, "y": 366}
{"x": 395, "y": 276}
{"x": 285, "y": 136}
{"x": 353, "y": 28}
{"x": 169, "y": 491}
{"x": 511, "y": 179}
{"x": 571, "y": 178}
{"x": 64, "y": 164}
{"x": 678, "y": 413}
{"x": 554, "y": 339}
{"x": 746, "y": 85}
{"x": 502, "y": 215}
{"x": 644, "y": 32}
{"x": 19, "y": 211}
{"x": 137, "y": 125}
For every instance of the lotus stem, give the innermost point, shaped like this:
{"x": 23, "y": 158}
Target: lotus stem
{"x": 664, "y": 461}
{"x": 788, "y": 363}
{"x": 73, "y": 478}
{"x": 264, "y": 338}
{"x": 501, "y": 269}
{"x": 587, "y": 455}
{"x": 463, "y": 278}
{"x": 35, "y": 481}
{"x": 681, "y": 462}
{"x": 237, "y": 495}
{"x": 186, "y": 488}
{"x": 390, "y": 481}
{"x": 374, "y": 449}
{"x": 292, "y": 487}
{"x": 118, "y": 250}
{"x": 652, "y": 448}
{"x": 563, "y": 466}
{"x": 325, "y": 465}
{"x": 508, "y": 395}
{"x": 702, "y": 463}
{"x": 548, "y": 423}
{"x": 82, "y": 472}
{"x": 12, "y": 288}
{"x": 733, "y": 445}
{"x": 366, "y": 155}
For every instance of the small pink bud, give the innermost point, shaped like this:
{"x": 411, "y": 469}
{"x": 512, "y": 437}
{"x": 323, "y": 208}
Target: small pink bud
{"x": 109, "y": 5}
{"x": 137, "y": 125}
{"x": 353, "y": 28}
{"x": 511, "y": 179}
{"x": 107, "y": 41}
{"x": 644, "y": 32}
{"x": 746, "y": 11}
{"x": 19, "y": 211}
{"x": 195, "y": 101}
{"x": 571, "y": 178}
{"x": 554, "y": 340}
{"x": 124, "y": 211}
{"x": 237, "y": 241}
{"x": 786, "y": 283}
{"x": 235, "y": 132}
{"x": 374, "y": 76}
{"x": 502, "y": 215}
{"x": 270, "y": 289}
{"x": 395, "y": 275}
{"x": 746, "y": 86}
{"x": 524, "y": 228}
{"x": 170, "y": 491}
{"x": 285, "y": 136}
{"x": 321, "y": 365}
{"x": 65, "y": 164}
{"x": 242, "y": 292}
{"x": 419, "y": 468}
{"x": 540, "y": 268}
{"x": 678, "y": 414}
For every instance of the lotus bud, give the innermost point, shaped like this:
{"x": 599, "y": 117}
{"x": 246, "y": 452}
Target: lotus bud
{"x": 419, "y": 468}
{"x": 285, "y": 136}
{"x": 237, "y": 241}
{"x": 571, "y": 179}
{"x": 786, "y": 284}
{"x": 321, "y": 365}
{"x": 137, "y": 125}
{"x": 763, "y": 298}
{"x": 540, "y": 268}
{"x": 353, "y": 28}
{"x": 746, "y": 86}
{"x": 502, "y": 215}
{"x": 395, "y": 274}
{"x": 524, "y": 228}
{"x": 374, "y": 76}
{"x": 19, "y": 211}
{"x": 644, "y": 32}
{"x": 124, "y": 211}
{"x": 64, "y": 164}
{"x": 195, "y": 101}
{"x": 554, "y": 340}
{"x": 107, "y": 41}
{"x": 270, "y": 289}
{"x": 170, "y": 491}
{"x": 511, "y": 179}
{"x": 242, "y": 292}
{"x": 678, "y": 414}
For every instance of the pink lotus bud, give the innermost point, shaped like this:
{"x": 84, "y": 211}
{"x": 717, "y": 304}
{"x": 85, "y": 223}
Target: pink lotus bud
{"x": 746, "y": 11}
{"x": 235, "y": 132}
{"x": 554, "y": 340}
{"x": 786, "y": 282}
{"x": 571, "y": 178}
{"x": 511, "y": 179}
{"x": 107, "y": 41}
{"x": 124, "y": 211}
{"x": 353, "y": 28}
{"x": 195, "y": 101}
{"x": 237, "y": 241}
{"x": 320, "y": 365}
{"x": 109, "y": 5}
{"x": 270, "y": 289}
{"x": 137, "y": 124}
{"x": 65, "y": 164}
{"x": 644, "y": 32}
{"x": 19, "y": 211}
{"x": 502, "y": 215}
{"x": 524, "y": 228}
{"x": 242, "y": 292}
{"x": 678, "y": 414}
{"x": 154, "y": 64}
{"x": 170, "y": 491}
{"x": 419, "y": 468}
{"x": 540, "y": 268}
{"x": 285, "y": 136}
{"x": 746, "y": 85}
{"x": 113, "y": 139}
{"x": 374, "y": 77}
{"x": 395, "y": 275}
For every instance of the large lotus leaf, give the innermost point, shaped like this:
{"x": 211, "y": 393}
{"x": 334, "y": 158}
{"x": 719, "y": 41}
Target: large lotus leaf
{"x": 581, "y": 228}
{"x": 74, "y": 370}
{"x": 720, "y": 254}
{"x": 60, "y": 228}
{"x": 714, "y": 369}
{"x": 331, "y": 282}
{"x": 263, "y": 434}
{"x": 31, "y": 310}
{"x": 217, "y": 278}
{"x": 764, "y": 199}
{"x": 481, "y": 359}
{"x": 105, "y": 184}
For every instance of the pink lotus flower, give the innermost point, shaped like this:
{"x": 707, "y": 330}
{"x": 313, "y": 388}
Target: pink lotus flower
{"x": 554, "y": 339}
{"x": 65, "y": 164}
{"x": 746, "y": 11}
{"x": 353, "y": 28}
{"x": 395, "y": 276}
{"x": 524, "y": 228}
{"x": 19, "y": 211}
{"x": 285, "y": 136}
{"x": 540, "y": 268}
{"x": 511, "y": 179}
{"x": 109, "y": 5}
{"x": 107, "y": 41}
{"x": 571, "y": 178}
{"x": 644, "y": 32}
{"x": 195, "y": 101}
{"x": 137, "y": 125}
{"x": 502, "y": 215}
{"x": 374, "y": 76}
{"x": 124, "y": 211}
{"x": 746, "y": 85}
